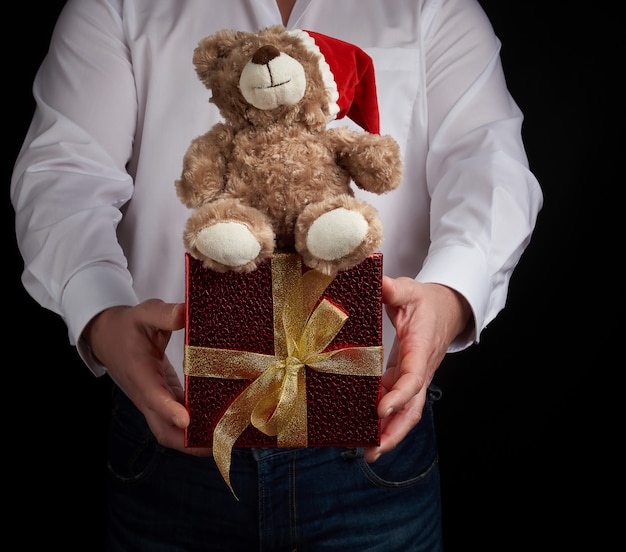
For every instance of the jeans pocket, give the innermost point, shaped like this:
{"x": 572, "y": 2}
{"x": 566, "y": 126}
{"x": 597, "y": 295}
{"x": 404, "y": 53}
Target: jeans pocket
{"x": 133, "y": 451}
{"x": 413, "y": 460}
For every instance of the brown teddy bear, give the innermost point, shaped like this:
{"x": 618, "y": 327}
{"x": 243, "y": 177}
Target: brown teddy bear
{"x": 273, "y": 176}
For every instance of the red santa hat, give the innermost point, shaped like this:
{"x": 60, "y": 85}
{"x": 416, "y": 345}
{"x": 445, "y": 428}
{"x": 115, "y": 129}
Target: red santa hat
{"x": 349, "y": 76}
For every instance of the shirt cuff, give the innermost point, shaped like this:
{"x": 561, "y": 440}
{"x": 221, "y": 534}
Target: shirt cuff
{"x": 465, "y": 271}
{"x": 88, "y": 293}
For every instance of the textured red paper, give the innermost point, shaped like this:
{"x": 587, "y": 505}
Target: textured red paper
{"x": 234, "y": 311}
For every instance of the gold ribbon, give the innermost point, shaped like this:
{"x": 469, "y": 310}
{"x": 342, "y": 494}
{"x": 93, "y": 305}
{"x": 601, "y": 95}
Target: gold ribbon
{"x": 275, "y": 401}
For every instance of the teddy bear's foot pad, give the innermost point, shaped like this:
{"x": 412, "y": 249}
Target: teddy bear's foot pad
{"x": 229, "y": 243}
{"x": 336, "y": 234}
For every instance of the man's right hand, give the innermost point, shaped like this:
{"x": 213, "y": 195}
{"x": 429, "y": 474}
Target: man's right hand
{"x": 130, "y": 342}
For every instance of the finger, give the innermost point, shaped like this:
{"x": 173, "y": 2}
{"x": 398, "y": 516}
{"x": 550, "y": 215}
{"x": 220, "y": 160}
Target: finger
{"x": 154, "y": 384}
{"x": 199, "y": 451}
{"x": 396, "y": 427}
{"x": 172, "y": 381}
{"x": 160, "y": 393}
{"x": 402, "y": 381}
{"x": 174, "y": 438}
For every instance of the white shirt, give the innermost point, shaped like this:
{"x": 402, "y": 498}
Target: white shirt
{"x": 118, "y": 102}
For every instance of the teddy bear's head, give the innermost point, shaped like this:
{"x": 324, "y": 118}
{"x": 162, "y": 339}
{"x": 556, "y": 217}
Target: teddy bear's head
{"x": 275, "y": 75}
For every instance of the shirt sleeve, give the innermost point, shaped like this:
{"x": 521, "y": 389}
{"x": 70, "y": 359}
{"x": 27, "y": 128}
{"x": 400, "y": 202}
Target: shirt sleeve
{"x": 70, "y": 182}
{"x": 484, "y": 198}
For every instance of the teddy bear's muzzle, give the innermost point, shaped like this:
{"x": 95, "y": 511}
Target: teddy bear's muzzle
{"x": 272, "y": 79}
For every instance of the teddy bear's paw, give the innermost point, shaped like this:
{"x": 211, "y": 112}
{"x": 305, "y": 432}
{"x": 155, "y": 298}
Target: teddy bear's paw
{"x": 336, "y": 234}
{"x": 231, "y": 244}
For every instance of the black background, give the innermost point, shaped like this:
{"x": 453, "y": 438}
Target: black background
{"x": 519, "y": 446}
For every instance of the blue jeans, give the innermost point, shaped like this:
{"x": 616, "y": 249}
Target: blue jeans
{"x": 308, "y": 499}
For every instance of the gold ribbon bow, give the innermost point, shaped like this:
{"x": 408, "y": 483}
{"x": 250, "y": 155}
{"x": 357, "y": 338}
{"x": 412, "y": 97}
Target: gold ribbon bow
{"x": 275, "y": 401}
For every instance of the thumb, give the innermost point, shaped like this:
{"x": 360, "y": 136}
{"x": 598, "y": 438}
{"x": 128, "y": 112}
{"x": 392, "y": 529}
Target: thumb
{"x": 165, "y": 316}
{"x": 178, "y": 315}
{"x": 391, "y": 297}
{"x": 388, "y": 290}
{"x": 397, "y": 291}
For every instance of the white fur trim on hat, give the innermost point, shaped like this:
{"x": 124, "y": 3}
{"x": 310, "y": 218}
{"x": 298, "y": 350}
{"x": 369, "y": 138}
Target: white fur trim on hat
{"x": 327, "y": 75}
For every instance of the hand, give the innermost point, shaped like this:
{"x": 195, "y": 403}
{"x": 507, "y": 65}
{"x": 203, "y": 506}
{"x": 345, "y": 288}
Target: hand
{"x": 130, "y": 342}
{"x": 427, "y": 318}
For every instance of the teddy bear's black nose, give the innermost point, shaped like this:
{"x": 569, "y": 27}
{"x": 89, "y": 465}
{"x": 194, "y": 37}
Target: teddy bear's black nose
{"x": 265, "y": 54}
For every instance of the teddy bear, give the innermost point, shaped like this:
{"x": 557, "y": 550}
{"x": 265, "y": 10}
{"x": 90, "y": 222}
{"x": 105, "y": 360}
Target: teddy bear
{"x": 273, "y": 175}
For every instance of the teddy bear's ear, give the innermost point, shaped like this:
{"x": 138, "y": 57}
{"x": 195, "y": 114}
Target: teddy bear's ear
{"x": 211, "y": 50}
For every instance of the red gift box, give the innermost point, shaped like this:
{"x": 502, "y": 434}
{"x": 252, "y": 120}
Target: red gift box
{"x": 283, "y": 356}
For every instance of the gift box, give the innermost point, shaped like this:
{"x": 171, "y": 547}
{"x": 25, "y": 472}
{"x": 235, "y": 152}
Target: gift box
{"x": 283, "y": 356}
